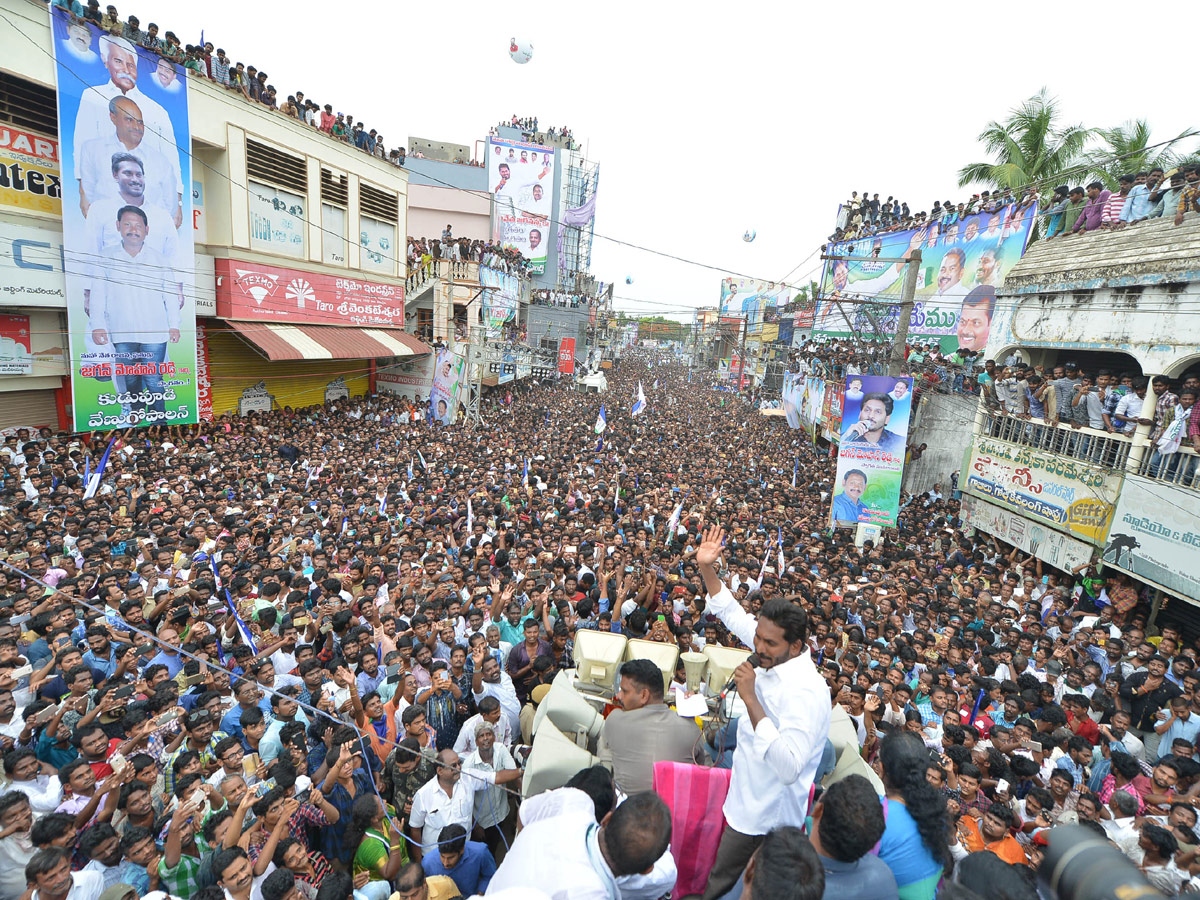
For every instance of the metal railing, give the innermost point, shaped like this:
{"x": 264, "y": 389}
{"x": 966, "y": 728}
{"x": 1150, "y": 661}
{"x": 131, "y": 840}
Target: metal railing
{"x": 1100, "y": 448}
{"x": 1180, "y": 468}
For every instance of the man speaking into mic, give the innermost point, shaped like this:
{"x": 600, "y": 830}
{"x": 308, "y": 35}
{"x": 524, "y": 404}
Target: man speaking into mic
{"x": 781, "y": 738}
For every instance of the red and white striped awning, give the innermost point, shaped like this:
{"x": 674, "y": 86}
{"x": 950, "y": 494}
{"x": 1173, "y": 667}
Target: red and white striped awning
{"x": 282, "y": 342}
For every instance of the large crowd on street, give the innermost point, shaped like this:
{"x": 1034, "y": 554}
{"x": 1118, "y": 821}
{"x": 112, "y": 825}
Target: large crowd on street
{"x": 295, "y": 654}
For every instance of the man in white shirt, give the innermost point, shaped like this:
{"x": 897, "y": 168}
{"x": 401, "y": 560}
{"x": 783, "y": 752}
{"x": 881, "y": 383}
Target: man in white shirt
{"x": 588, "y": 856}
{"x": 50, "y": 873}
{"x": 164, "y": 188}
{"x": 449, "y": 799}
{"x": 136, "y": 306}
{"x": 490, "y": 714}
{"x": 782, "y": 736}
{"x": 489, "y": 680}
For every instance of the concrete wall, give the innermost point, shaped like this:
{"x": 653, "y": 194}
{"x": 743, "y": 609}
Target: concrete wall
{"x": 435, "y": 173}
{"x": 430, "y": 208}
{"x": 944, "y": 422}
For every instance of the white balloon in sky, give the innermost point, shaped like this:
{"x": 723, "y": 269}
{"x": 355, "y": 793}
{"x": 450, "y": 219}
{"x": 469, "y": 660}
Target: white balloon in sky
{"x": 520, "y": 51}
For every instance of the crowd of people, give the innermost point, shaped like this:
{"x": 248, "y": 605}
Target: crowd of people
{"x": 1140, "y": 196}
{"x": 298, "y": 652}
{"x": 529, "y": 128}
{"x": 205, "y": 60}
{"x": 568, "y": 299}
{"x": 422, "y": 252}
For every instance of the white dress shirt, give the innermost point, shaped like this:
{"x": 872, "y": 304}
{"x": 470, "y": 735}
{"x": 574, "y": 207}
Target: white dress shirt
{"x": 465, "y": 743}
{"x": 775, "y": 764}
{"x": 504, "y": 691}
{"x": 491, "y": 801}
{"x": 433, "y": 809}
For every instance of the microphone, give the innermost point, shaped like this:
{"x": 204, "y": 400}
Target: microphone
{"x": 731, "y": 684}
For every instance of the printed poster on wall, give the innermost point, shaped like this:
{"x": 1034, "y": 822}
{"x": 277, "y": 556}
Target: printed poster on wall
{"x": 1155, "y": 533}
{"x": 16, "y": 348}
{"x": 873, "y": 434}
{"x": 500, "y": 295}
{"x": 443, "y": 395}
{"x": 521, "y": 180}
{"x": 125, "y": 147}
{"x": 962, "y": 264}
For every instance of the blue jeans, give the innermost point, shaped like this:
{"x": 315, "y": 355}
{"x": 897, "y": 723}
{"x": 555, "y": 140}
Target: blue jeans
{"x": 129, "y": 353}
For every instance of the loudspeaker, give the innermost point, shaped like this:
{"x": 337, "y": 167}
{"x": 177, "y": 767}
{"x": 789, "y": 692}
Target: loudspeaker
{"x": 721, "y": 663}
{"x": 552, "y": 761}
{"x": 567, "y": 710}
{"x": 694, "y": 665}
{"x": 662, "y": 655}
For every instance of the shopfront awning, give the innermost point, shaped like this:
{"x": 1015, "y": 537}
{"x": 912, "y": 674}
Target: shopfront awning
{"x": 282, "y": 342}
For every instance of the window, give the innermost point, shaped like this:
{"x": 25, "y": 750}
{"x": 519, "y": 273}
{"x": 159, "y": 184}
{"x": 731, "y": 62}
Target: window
{"x": 28, "y": 106}
{"x": 277, "y": 220}
{"x": 378, "y": 240}
{"x": 333, "y": 235}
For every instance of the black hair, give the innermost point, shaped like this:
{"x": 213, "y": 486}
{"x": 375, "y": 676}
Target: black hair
{"x": 362, "y": 814}
{"x": 452, "y": 838}
{"x": 224, "y": 858}
{"x": 637, "y": 834}
{"x": 645, "y": 674}
{"x": 597, "y": 783}
{"x": 987, "y": 875}
{"x": 905, "y": 761}
{"x": 787, "y": 867}
{"x": 852, "y": 818}
{"x": 788, "y": 616}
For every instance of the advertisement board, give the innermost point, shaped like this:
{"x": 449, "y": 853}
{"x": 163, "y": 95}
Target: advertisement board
{"x": 566, "y": 356}
{"x": 1047, "y": 488}
{"x": 521, "y": 180}
{"x": 962, "y": 265}
{"x": 16, "y": 346}
{"x": 277, "y": 223}
{"x": 29, "y": 178}
{"x": 500, "y": 296}
{"x": 412, "y": 380}
{"x": 1046, "y": 544}
{"x": 792, "y": 398}
{"x": 873, "y": 432}
{"x": 204, "y": 394}
{"x": 443, "y": 394}
{"x": 260, "y": 293}
{"x": 31, "y": 266}
{"x": 1155, "y": 535}
{"x": 125, "y": 149}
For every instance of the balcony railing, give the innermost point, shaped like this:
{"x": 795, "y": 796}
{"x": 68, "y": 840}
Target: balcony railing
{"x": 1181, "y": 468}
{"x": 419, "y": 275}
{"x": 1100, "y": 448}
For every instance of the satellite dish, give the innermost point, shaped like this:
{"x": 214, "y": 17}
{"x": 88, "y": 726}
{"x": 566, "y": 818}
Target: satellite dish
{"x": 520, "y": 51}
{"x": 629, "y": 279}
{"x": 749, "y": 235}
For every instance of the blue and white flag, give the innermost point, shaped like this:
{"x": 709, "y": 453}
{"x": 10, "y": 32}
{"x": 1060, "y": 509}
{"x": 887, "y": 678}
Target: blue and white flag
{"x": 410, "y": 471}
{"x": 525, "y": 473}
{"x": 93, "y": 483}
{"x": 639, "y": 402}
{"x": 673, "y": 522}
{"x": 383, "y": 505}
{"x": 242, "y": 628}
{"x": 470, "y": 517}
{"x": 422, "y": 459}
{"x": 795, "y": 469}
{"x": 601, "y": 423}
{"x": 781, "y": 560}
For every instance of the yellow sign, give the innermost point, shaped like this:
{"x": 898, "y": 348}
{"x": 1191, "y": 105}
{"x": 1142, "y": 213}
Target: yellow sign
{"x": 29, "y": 177}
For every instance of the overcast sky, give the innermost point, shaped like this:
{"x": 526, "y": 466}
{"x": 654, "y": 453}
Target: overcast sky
{"x": 711, "y": 118}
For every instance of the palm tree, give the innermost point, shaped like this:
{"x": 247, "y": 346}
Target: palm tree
{"x": 1030, "y": 148}
{"x": 1127, "y": 148}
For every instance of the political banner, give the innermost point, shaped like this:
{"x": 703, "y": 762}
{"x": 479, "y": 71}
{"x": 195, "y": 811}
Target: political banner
{"x": 1050, "y": 546}
{"x": 204, "y": 392}
{"x": 1155, "y": 534}
{"x": 873, "y": 433}
{"x": 792, "y": 398}
{"x": 962, "y": 265}
{"x": 443, "y": 394}
{"x": 125, "y": 155}
{"x": 501, "y": 292}
{"x": 521, "y": 180}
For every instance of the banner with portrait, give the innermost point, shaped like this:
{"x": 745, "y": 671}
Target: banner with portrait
{"x": 521, "y": 180}
{"x": 874, "y": 431}
{"x": 500, "y": 294}
{"x": 443, "y": 395}
{"x": 962, "y": 265}
{"x": 125, "y": 157}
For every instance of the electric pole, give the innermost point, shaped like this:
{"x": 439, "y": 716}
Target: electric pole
{"x": 911, "y": 271}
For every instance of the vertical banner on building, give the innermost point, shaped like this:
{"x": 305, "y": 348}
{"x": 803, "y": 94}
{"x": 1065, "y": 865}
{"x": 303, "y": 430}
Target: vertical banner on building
{"x": 204, "y": 394}
{"x": 16, "y": 345}
{"x": 521, "y": 180}
{"x": 874, "y": 431}
{"x": 125, "y": 149}
{"x": 566, "y": 356}
{"x": 500, "y": 295}
{"x": 443, "y": 396}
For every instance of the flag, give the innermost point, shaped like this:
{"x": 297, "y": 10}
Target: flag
{"x": 601, "y": 423}
{"x": 639, "y": 402}
{"x": 410, "y": 471}
{"x": 525, "y": 473}
{"x": 655, "y": 385}
{"x": 673, "y": 522}
{"x": 93, "y": 483}
{"x": 781, "y": 560}
{"x": 470, "y": 516}
{"x": 422, "y": 459}
{"x": 243, "y": 630}
{"x": 383, "y": 505}
{"x": 87, "y": 470}
{"x": 600, "y": 443}
{"x": 795, "y": 469}
{"x": 617, "y": 498}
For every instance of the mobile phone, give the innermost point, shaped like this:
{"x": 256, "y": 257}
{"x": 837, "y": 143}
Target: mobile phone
{"x": 394, "y": 669}
{"x": 377, "y": 537}
{"x": 1045, "y": 579}
{"x": 302, "y": 621}
{"x": 122, "y": 692}
{"x": 250, "y": 763}
{"x": 193, "y": 680}
{"x": 326, "y": 628}
{"x": 118, "y": 761}
{"x": 1035, "y": 746}
{"x": 23, "y": 672}
{"x": 1002, "y": 786}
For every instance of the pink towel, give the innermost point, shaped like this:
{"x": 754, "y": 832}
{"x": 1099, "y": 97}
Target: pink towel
{"x": 695, "y": 795}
